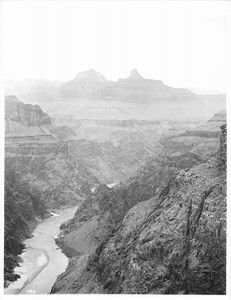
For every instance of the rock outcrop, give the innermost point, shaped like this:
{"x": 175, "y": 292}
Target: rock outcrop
{"x": 41, "y": 158}
{"x": 25, "y": 114}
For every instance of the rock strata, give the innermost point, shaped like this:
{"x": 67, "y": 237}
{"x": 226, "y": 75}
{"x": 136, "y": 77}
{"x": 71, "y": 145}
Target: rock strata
{"x": 39, "y": 174}
{"x": 26, "y": 114}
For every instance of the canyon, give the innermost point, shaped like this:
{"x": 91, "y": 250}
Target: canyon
{"x": 144, "y": 163}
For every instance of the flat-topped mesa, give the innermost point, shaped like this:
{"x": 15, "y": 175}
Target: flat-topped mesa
{"x": 90, "y": 75}
{"x": 26, "y": 132}
{"x": 136, "y": 86}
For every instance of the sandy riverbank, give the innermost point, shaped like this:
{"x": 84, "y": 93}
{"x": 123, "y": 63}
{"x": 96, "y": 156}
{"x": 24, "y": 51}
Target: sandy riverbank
{"x": 33, "y": 262}
{"x": 42, "y": 259}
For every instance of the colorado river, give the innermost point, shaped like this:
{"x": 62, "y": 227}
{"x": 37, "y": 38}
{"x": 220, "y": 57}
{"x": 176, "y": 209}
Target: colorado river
{"x": 43, "y": 261}
{"x": 110, "y": 185}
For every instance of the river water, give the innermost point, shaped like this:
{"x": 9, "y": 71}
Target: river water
{"x": 110, "y": 185}
{"x": 43, "y": 261}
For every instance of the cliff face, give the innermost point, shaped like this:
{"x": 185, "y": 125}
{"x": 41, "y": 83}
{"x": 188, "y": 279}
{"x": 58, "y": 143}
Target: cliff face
{"x": 173, "y": 243}
{"x": 201, "y": 141}
{"x": 21, "y": 208}
{"x": 39, "y": 174}
{"x": 26, "y": 114}
{"x": 41, "y": 158}
{"x": 179, "y": 247}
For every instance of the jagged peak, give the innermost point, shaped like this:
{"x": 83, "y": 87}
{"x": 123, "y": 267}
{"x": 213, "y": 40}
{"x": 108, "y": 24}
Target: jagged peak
{"x": 90, "y": 75}
{"x": 135, "y": 74}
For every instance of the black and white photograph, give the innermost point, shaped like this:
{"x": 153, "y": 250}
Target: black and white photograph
{"x": 114, "y": 120}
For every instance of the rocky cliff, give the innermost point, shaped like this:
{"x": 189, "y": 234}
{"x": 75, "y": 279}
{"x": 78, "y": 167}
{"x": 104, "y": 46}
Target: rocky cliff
{"x": 25, "y": 114}
{"x": 163, "y": 237}
{"x": 42, "y": 158}
{"x": 39, "y": 174}
{"x": 202, "y": 140}
{"x": 178, "y": 247}
{"x": 22, "y": 209}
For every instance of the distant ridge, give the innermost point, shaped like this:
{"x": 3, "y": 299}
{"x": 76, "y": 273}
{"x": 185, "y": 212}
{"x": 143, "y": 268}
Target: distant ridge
{"x": 90, "y": 75}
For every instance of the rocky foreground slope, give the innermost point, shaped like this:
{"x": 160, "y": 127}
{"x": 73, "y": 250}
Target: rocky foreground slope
{"x": 163, "y": 231}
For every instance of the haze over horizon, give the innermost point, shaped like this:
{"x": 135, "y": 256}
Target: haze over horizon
{"x": 181, "y": 43}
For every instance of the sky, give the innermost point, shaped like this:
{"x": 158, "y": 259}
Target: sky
{"x": 182, "y": 43}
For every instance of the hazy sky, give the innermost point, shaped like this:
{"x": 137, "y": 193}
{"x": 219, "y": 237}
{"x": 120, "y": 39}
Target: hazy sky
{"x": 182, "y": 43}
